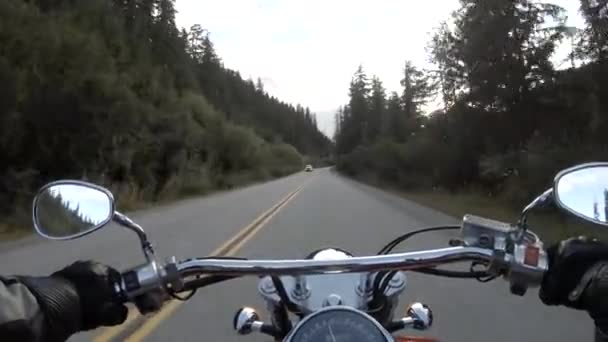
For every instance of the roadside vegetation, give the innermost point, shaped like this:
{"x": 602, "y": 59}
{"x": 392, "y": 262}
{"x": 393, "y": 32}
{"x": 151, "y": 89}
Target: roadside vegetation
{"x": 550, "y": 223}
{"x": 111, "y": 91}
{"x": 511, "y": 118}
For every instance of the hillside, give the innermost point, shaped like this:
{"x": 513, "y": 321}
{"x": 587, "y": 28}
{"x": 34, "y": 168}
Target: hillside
{"x": 114, "y": 93}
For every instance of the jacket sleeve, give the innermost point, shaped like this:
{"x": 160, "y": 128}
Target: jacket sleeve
{"x": 21, "y": 318}
{"x": 599, "y": 336}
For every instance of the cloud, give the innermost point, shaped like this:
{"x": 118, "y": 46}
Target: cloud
{"x": 310, "y": 48}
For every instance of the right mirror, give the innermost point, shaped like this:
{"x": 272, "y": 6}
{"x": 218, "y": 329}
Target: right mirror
{"x": 69, "y": 209}
{"x": 583, "y": 191}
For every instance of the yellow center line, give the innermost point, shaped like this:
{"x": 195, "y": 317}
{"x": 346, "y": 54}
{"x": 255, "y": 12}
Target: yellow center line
{"x": 228, "y": 248}
{"x": 111, "y": 332}
{"x": 151, "y": 324}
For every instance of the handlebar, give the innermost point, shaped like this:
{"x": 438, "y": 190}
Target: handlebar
{"x": 517, "y": 267}
{"x": 398, "y": 261}
{"x": 520, "y": 258}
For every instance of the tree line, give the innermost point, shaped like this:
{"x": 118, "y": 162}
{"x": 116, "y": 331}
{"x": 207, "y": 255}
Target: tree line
{"x": 510, "y": 118}
{"x": 113, "y": 92}
{"x": 57, "y": 217}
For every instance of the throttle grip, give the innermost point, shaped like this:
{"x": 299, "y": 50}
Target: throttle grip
{"x": 149, "y": 285}
{"x": 146, "y": 301}
{"x": 118, "y": 289}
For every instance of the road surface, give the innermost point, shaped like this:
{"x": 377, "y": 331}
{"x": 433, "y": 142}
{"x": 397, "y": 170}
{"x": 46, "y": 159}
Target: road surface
{"x": 329, "y": 210}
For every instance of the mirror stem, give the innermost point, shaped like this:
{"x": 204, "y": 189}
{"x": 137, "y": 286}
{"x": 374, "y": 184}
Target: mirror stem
{"x": 542, "y": 200}
{"x": 123, "y": 220}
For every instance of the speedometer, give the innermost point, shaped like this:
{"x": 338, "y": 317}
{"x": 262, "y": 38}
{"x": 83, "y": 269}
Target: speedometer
{"x": 338, "y": 324}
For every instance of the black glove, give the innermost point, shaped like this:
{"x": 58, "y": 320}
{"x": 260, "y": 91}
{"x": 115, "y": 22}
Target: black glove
{"x": 578, "y": 278}
{"x": 79, "y": 297}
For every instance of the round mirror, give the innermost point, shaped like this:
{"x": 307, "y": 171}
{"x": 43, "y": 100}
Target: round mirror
{"x": 69, "y": 209}
{"x": 583, "y": 191}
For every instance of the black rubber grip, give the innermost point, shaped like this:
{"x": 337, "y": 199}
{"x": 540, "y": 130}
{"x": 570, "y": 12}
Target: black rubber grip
{"x": 127, "y": 283}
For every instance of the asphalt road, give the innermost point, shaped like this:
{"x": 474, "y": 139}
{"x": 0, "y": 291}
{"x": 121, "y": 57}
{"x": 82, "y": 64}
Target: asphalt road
{"x": 328, "y": 211}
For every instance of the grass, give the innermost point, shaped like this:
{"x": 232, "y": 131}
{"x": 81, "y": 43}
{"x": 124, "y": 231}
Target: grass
{"x": 129, "y": 198}
{"x": 551, "y": 224}
{"x": 459, "y": 204}
{"x": 9, "y": 233}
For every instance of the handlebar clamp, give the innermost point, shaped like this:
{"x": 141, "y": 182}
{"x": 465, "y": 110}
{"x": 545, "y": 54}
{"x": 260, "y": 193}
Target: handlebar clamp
{"x": 522, "y": 261}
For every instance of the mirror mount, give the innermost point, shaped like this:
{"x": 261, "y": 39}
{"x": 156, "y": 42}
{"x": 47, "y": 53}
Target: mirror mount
{"x": 542, "y": 200}
{"x": 126, "y": 222}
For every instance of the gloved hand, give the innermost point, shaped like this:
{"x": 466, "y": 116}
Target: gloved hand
{"x": 94, "y": 283}
{"x": 578, "y": 278}
{"x": 79, "y": 297}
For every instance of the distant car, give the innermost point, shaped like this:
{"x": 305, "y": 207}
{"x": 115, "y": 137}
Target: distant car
{"x": 308, "y": 168}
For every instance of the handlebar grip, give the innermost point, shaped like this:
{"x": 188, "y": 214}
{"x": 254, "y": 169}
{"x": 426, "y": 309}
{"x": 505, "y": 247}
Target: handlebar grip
{"x": 129, "y": 289}
{"x": 124, "y": 284}
{"x": 128, "y": 286}
{"x": 140, "y": 280}
{"x": 130, "y": 283}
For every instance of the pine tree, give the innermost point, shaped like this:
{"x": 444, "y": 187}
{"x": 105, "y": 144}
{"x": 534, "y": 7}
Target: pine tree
{"x": 259, "y": 86}
{"x": 377, "y": 108}
{"x": 417, "y": 89}
{"x": 595, "y": 35}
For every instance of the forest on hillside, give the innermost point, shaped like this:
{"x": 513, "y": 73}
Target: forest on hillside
{"x": 111, "y": 91}
{"x": 510, "y": 119}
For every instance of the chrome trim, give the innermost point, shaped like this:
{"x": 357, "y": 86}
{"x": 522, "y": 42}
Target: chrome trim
{"x": 331, "y": 254}
{"x": 126, "y": 222}
{"x": 396, "y": 285}
{"x": 561, "y": 174}
{"x": 421, "y": 315}
{"x": 397, "y": 261}
{"x": 525, "y": 274}
{"x": 387, "y": 335}
{"x": 245, "y": 321}
{"x": 72, "y": 182}
{"x": 332, "y": 300}
{"x": 539, "y": 201}
{"x": 257, "y": 326}
{"x": 300, "y": 290}
{"x": 406, "y": 321}
{"x": 150, "y": 276}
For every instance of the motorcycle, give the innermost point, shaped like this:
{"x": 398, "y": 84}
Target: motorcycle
{"x": 331, "y": 295}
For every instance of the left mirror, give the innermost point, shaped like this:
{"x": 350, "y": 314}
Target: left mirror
{"x": 69, "y": 209}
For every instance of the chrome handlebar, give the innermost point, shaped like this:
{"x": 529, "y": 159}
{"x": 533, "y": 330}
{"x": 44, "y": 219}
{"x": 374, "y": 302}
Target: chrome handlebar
{"x": 522, "y": 270}
{"x": 502, "y": 247}
{"x": 398, "y": 261}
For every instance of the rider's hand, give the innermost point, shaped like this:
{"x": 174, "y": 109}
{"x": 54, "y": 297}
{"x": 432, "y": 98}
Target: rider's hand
{"x": 79, "y": 297}
{"x": 94, "y": 283}
{"x": 578, "y": 278}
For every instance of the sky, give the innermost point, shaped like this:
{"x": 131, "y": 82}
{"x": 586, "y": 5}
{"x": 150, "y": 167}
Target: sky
{"x": 581, "y": 189}
{"x": 93, "y": 203}
{"x": 306, "y": 51}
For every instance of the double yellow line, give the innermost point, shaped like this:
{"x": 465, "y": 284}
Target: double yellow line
{"x": 228, "y": 248}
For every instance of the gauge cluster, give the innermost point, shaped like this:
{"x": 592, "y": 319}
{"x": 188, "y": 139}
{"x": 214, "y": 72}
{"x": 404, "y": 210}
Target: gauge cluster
{"x": 338, "y": 324}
